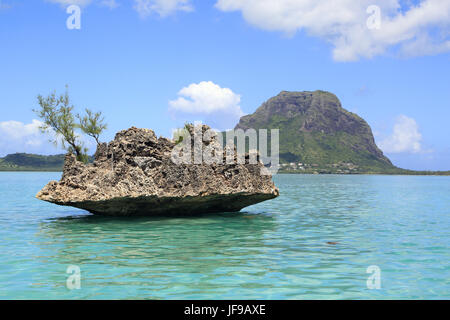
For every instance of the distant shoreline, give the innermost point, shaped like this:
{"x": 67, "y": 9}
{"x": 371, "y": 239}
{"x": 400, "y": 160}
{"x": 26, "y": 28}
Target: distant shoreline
{"x": 31, "y": 170}
{"x": 395, "y": 172}
{"x": 23, "y": 162}
{"x": 443, "y": 174}
{"x": 415, "y": 173}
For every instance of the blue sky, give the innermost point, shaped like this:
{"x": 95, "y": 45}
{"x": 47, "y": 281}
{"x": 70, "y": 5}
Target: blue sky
{"x": 131, "y": 59}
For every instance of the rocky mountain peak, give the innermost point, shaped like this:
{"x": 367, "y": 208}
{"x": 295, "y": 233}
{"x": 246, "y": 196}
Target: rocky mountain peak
{"x": 315, "y": 128}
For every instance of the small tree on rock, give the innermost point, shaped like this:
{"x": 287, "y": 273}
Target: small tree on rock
{"x": 92, "y": 124}
{"x": 56, "y": 114}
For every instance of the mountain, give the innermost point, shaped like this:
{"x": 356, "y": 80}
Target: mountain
{"x": 317, "y": 132}
{"x": 317, "y": 135}
{"x": 31, "y": 162}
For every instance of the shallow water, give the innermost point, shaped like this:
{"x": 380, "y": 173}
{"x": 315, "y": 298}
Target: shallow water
{"x": 315, "y": 241}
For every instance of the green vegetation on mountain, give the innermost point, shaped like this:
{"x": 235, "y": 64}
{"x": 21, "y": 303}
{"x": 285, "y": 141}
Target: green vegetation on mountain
{"x": 34, "y": 162}
{"x": 31, "y": 162}
{"x": 317, "y": 135}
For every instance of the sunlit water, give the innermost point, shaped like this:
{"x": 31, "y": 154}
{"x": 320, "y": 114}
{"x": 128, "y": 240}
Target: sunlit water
{"x": 315, "y": 241}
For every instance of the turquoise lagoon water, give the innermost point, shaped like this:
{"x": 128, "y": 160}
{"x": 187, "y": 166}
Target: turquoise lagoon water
{"x": 279, "y": 249}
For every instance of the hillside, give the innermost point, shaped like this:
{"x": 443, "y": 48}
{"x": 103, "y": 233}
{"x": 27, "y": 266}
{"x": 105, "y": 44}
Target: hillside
{"x": 31, "y": 162}
{"x": 318, "y": 135}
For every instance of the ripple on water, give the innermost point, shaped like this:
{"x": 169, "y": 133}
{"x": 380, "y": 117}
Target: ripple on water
{"x": 315, "y": 241}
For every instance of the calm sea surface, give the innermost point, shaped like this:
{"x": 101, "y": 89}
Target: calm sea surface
{"x": 315, "y": 241}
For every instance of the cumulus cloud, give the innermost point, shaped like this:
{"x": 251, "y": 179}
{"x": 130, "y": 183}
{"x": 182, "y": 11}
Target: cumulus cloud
{"x": 206, "y": 97}
{"x": 405, "y": 137}
{"x": 161, "y": 7}
{"x": 420, "y": 29}
{"x": 217, "y": 106}
{"x": 66, "y": 3}
{"x": 144, "y": 8}
{"x": 111, "y": 4}
{"x": 16, "y": 136}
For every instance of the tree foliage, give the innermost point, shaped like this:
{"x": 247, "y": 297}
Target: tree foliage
{"x": 56, "y": 113}
{"x": 92, "y": 124}
{"x": 180, "y": 133}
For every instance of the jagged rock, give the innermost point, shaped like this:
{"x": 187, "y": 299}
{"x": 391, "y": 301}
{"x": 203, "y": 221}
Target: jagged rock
{"x": 134, "y": 175}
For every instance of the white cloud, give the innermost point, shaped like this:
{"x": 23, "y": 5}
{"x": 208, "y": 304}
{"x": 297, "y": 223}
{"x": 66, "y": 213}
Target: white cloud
{"x": 17, "y": 130}
{"x": 206, "y": 97}
{"x": 405, "y": 137}
{"x": 111, "y": 4}
{"x": 66, "y": 3}
{"x": 161, "y": 7}
{"x": 144, "y": 7}
{"x": 16, "y": 136}
{"x": 219, "y": 107}
{"x": 413, "y": 30}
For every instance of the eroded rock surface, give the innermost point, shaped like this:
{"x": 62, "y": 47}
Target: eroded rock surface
{"x": 135, "y": 175}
